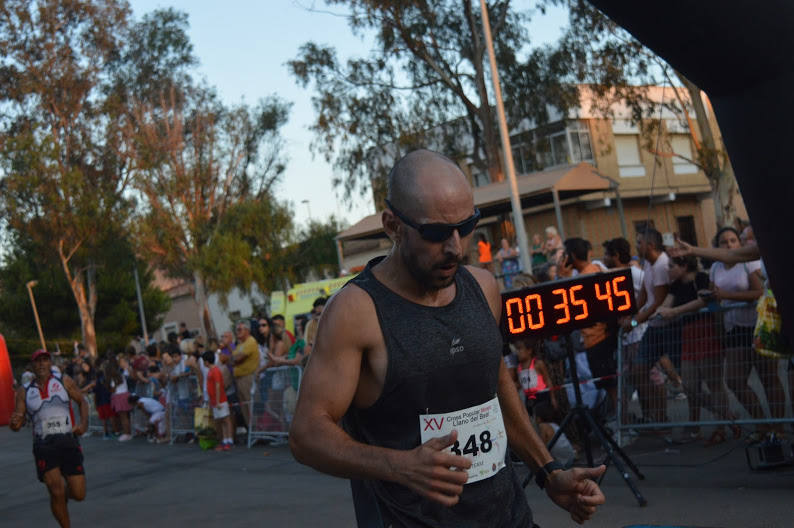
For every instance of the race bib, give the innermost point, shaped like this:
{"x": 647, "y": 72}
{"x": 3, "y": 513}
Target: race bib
{"x": 481, "y": 436}
{"x": 56, "y": 425}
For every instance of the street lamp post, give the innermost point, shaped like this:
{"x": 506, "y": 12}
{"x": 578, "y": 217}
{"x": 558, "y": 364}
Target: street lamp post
{"x": 308, "y": 209}
{"x": 30, "y": 286}
{"x": 515, "y": 198}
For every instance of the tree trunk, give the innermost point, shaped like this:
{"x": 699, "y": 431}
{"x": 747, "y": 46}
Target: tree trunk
{"x": 83, "y": 306}
{"x": 490, "y": 137}
{"x": 493, "y": 148}
{"x": 200, "y": 295}
{"x": 716, "y": 164}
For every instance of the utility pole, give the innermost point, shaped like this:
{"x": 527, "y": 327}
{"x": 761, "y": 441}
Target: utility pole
{"x": 515, "y": 199}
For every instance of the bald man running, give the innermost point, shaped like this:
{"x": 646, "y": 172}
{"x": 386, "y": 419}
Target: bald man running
{"x": 407, "y": 394}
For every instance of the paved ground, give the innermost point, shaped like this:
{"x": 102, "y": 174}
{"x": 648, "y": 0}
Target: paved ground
{"x": 143, "y": 485}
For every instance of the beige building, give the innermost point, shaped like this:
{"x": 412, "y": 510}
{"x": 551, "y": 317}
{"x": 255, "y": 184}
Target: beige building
{"x": 590, "y": 176}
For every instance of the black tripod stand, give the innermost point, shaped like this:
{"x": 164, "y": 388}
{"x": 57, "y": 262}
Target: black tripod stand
{"x": 582, "y": 414}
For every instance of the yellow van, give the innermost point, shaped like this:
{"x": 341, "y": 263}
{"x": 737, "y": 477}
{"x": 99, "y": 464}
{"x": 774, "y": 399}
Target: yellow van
{"x": 299, "y": 299}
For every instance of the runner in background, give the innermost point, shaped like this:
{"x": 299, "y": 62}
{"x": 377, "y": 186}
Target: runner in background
{"x": 45, "y": 401}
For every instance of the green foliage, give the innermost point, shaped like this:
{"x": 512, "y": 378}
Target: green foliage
{"x": 316, "y": 251}
{"x": 117, "y": 319}
{"x": 247, "y": 248}
{"x": 428, "y": 70}
{"x": 198, "y": 160}
{"x": 63, "y": 165}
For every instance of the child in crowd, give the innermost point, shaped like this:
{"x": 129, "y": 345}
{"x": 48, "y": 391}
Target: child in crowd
{"x": 156, "y": 413}
{"x": 533, "y": 376}
{"x": 102, "y": 400}
{"x": 218, "y": 402}
{"x": 119, "y": 400}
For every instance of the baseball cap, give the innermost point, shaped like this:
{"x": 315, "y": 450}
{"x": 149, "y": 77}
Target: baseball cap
{"x": 38, "y": 353}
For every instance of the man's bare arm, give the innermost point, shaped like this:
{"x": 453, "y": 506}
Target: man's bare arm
{"x": 347, "y": 329}
{"x": 18, "y": 416}
{"x": 659, "y": 295}
{"x": 520, "y": 434}
{"x": 572, "y": 490}
{"x": 77, "y": 395}
{"x": 728, "y": 256}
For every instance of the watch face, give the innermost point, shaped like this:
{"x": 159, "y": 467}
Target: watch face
{"x": 558, "y": 307}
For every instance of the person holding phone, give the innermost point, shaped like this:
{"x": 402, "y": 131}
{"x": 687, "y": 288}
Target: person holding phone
{"x": 732, "y": 284}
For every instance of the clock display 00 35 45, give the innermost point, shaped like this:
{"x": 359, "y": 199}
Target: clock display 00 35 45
{"x": 561, "y": 306}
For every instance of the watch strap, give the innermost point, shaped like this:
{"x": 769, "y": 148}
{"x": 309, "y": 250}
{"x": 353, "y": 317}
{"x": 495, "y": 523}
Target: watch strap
{"x": 545, "y": 471}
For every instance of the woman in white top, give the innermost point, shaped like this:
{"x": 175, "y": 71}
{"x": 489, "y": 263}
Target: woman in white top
{"x": 731, "y": 284}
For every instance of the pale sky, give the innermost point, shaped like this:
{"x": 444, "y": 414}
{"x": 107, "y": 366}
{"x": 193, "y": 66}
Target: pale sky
{"x": 243, "y": 47}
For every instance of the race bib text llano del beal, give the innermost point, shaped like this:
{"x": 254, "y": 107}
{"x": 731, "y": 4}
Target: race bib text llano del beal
{"x": 481, "y": 436}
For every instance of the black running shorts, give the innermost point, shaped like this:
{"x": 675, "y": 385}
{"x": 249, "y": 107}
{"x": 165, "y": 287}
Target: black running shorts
{"x": 61, "y": 451}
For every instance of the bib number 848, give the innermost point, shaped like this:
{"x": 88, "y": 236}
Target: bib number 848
{"x": 471, "y": 448}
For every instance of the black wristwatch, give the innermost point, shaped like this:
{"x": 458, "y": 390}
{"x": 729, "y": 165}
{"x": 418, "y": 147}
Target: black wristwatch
{"x": 545, "y": 471}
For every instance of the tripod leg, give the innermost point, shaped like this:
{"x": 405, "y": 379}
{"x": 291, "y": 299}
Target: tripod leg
{"x": 620, "y": 451}
{"x": 582, "y": 423}
{"x": 563, "y": 425}
{"x": 618, "y": 463}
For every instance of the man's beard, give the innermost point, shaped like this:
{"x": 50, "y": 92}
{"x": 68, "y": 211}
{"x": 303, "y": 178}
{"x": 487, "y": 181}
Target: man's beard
{"x": 425, "y": 277}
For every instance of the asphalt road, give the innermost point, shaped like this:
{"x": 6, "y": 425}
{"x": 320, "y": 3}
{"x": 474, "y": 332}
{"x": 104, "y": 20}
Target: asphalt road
{"x": 137, "y": 484}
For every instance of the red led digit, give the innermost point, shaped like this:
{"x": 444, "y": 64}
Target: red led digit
{"x": 509, "y": 307}
{"x": 541, "y": 323}
{"x": 621, "y": 293}
{"x": 563, "y": 305}
{"x": 605, "y": 297}
{"x": 579, "y": 302}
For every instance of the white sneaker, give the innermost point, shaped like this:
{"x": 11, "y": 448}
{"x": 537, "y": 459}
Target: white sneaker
{"x": 125, "y": 438}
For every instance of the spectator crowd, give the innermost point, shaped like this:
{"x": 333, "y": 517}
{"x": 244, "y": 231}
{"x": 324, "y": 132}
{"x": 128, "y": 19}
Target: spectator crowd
{"x": 142, "y": 390}
{"x": 693, "y": 341}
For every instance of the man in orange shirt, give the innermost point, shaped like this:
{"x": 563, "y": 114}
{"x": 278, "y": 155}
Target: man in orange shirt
{"x": 600, "y": 344}
{"x": 218, "y": 402}
{"x": 484, "y": 249}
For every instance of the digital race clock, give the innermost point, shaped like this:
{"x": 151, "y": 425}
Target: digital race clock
{"x": 558, "y": 307}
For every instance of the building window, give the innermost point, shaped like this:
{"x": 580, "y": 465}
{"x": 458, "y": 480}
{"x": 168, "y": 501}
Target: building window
{"x": 523, "y": 156}
{"x": 168, "y": 328}
{"x": 682, "y": 146}
{"x": 641, "y": 225}
{"x": 628, "y": 152}
{"x": 686, "y": 229}
{"x": 579, "y": 137}
{"x": 543, "y": 152}
{"x": 482, "y": 178}
{"x": 559, "y": 148}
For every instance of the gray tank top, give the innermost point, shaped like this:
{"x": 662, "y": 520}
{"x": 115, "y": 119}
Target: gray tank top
{"x": 440, "y": 359}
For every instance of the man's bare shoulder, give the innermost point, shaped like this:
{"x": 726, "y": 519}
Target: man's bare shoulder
{"x": 486, "y": 280}
{"x": 490, "y": 288}
{"x": 350, "y": 316}
{"x": 347, "y": 304}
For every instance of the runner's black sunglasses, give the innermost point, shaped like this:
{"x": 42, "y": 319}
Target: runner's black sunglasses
{"x": 439, "y": 232}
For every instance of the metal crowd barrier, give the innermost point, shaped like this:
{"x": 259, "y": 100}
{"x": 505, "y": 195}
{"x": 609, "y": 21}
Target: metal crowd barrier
{"x": 723, "y": 380}
{"x": 272, "y": 403}
{"x": 94, "y": 423}
{"x": 139, "y": 420}
{"x": 180, "y": 411}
